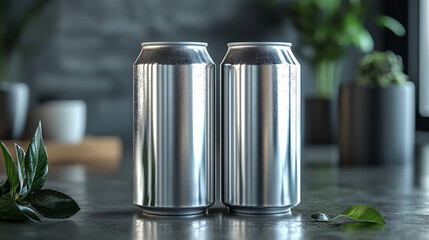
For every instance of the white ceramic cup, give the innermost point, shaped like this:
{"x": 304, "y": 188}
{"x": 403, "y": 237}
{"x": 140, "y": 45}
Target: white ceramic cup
{"x": 63, "y": 120}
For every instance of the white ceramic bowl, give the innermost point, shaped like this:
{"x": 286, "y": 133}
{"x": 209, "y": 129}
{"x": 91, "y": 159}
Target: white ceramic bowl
{"x": 63, "y": 120}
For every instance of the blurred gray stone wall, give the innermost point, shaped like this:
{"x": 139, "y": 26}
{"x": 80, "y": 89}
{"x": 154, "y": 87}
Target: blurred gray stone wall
{"x": 85, "y": 49}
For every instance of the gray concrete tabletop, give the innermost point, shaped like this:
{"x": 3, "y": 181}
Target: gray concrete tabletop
{"x": 400, "y": 193}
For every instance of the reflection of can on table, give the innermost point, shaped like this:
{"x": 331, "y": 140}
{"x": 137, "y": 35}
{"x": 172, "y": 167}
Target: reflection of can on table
{"x": 173, "y": 128}
{"x": 261, "y": 128}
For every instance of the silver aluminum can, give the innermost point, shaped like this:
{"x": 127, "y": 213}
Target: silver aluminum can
{"x": 173, "y": 128}
{"x": 261, "y": 128}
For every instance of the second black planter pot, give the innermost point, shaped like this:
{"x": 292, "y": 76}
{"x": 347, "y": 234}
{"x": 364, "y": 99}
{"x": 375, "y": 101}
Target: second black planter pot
{"x": 377, "y": 124}
{"x": 321, "y": 121}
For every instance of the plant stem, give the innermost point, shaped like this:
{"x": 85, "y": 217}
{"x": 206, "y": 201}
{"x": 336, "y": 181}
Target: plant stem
{"x": 327, "y": 76}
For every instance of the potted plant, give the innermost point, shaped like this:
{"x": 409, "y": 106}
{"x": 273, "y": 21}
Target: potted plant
{"x": 327, "y": 29}
{"x": 14, "y": 96}
{"x": 377, "y": 121}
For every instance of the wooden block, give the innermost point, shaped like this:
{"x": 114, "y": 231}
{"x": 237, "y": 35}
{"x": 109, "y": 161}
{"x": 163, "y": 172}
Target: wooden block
{"x": 95, "y": 152}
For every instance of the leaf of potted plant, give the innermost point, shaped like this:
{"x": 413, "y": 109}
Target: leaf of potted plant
{"x": 377, "y": 120}
{"x": 14, "y": 96}
{"x": 327, "y": 29}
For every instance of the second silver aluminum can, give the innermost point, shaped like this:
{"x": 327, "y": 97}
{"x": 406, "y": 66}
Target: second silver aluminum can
{"x": 261, "y": 143}
{"x": 173, "y": 128}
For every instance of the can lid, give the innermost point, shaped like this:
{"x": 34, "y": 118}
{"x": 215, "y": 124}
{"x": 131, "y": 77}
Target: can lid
{"x": 258, "y": 44}
{"x": 203, "y": 44}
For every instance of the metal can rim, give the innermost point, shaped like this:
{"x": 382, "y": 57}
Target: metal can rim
{"x": 202, "y": 44}
{"x": 259, "y": 44}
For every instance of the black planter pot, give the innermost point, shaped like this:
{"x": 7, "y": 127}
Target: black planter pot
{"x": 14, "y": 99}
{"x": 321, "y": 121}
{"x": 377, "y": 124}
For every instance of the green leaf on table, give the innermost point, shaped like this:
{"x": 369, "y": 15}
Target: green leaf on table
{"x": 53, "y": 204}
{"x": 392, "y": 24}
{"x": 20, "y": 155}
{"x": 36, "y": 163}
{"x": 29, "y": 174}
{"x": 11, "y": 172}
{"x": 359, "y": 212}
{"x": 6, "y": 187}
{"x": 363, "y": 213}
{"x": 10, "y": 210}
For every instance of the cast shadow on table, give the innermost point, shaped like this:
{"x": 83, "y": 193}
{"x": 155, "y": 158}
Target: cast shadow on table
{"x": 116, "y": 214}
{"x": 42, "y": 229}
{"x": 360, "y": 227}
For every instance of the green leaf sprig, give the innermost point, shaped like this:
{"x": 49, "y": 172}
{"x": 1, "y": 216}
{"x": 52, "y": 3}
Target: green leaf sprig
{"x": 21, "y": 196}
{"x": 360, "y": 212}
